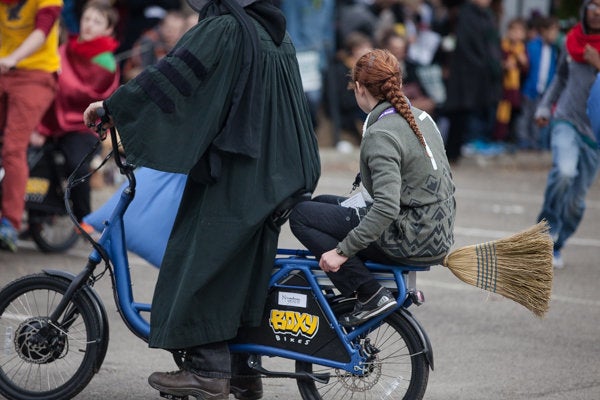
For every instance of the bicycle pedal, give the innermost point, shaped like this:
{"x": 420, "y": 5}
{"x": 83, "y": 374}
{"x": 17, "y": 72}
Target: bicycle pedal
{"x": 172, "y": 396}
{"x": 417, "y": 297}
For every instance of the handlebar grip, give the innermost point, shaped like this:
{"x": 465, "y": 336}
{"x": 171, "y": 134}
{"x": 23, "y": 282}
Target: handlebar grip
{"x": 104, "y": 118}
{"x": 102, "y": 114}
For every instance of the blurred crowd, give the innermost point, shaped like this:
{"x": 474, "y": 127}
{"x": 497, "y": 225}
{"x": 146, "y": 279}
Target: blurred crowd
{"x": 470, "y": 67}
{"x": 478, "y": 73}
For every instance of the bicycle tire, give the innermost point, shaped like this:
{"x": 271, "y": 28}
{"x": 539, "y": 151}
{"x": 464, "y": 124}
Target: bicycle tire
{"x": 38, "y": 361}
{"x": 404, "y": 371}
{"x": 53, "y": 233}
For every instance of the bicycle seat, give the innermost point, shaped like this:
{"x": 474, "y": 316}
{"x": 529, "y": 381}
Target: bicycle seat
{"x": 384, "y": 273}
{"x": 403, "y": 266}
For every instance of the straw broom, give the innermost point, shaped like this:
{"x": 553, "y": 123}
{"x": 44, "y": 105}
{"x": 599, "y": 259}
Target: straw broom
{"x": 518, "y": 267}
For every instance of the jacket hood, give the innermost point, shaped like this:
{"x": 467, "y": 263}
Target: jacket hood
{"x": 582, "y": 17}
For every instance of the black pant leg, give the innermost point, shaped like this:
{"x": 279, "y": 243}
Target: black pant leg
{"x": 320, "y": 225}
{"x": 75, "y": 146}
{"x": 212, "y": 360}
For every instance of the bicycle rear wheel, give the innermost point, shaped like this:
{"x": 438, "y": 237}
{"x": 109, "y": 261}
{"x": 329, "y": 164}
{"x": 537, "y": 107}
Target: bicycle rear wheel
{"x": 38, "y": 359}
{"x": 52, "y": 233}
{"x": 398, "y": 369}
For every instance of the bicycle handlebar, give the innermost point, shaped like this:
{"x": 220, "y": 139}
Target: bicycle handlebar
{"x": 104, "y": 118}
{"x": 126, "y": 169}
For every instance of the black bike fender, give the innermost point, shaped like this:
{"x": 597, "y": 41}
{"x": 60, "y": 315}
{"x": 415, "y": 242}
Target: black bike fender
{"x": 427, "y": 349}
{"x": 100, "y": 311}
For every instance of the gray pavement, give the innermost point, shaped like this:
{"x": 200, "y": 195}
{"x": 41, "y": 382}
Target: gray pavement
{"x": 485, "y": 347}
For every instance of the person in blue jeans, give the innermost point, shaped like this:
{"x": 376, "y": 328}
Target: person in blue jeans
{"x": 542, "y": 52}
{"x": 311, "y": 26}
{"x": 575, "y": 154}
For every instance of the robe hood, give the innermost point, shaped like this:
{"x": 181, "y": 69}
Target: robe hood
{"x": 198, "y": 5}
{"x": 239, "y": 135}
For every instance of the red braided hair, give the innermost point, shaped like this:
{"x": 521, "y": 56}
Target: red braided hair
{"x": 379, "y": 72}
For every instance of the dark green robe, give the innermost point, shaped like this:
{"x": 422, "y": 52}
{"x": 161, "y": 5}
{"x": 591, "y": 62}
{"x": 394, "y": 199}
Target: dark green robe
{"x": 215, "y": 272}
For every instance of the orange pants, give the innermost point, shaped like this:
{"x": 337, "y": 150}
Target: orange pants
{"x": 25, "y": 95}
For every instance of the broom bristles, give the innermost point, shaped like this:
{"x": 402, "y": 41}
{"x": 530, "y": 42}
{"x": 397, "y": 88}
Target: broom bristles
{"x": 518, "y": 267}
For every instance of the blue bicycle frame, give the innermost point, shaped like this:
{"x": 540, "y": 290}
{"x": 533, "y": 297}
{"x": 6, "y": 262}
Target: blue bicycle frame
{"x": 113, "y": 242}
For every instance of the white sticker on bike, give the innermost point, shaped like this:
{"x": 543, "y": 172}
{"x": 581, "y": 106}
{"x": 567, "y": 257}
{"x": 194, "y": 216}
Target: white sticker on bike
{"x": 292, "y": 299}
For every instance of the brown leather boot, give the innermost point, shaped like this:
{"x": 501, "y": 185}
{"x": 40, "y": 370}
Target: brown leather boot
{"x": 184, "y": 383}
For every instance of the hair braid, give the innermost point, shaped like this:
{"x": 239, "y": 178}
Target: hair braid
{"x": 393, "y": 94}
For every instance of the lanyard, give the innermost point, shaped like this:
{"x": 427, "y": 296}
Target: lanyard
{"x": 387, "y": 111}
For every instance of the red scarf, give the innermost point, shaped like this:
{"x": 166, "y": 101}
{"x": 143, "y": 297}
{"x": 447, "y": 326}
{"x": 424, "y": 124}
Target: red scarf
{"x": 92, "y": 48}
{"x": 82, "y": 80}
{"x": 576, "y": 41}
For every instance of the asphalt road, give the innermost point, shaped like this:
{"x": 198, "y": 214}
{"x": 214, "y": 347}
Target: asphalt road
{"x": 485, "y": 347}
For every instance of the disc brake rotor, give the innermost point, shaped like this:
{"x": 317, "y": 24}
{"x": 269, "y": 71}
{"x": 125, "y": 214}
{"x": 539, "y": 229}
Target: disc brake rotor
{"x": 361, "y": 383}
{"x": 37, "y": 342}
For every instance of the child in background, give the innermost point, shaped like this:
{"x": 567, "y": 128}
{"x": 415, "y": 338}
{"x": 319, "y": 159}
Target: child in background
{"x": 155, "y": 44}
{"x": 542, "y": 52}
{"x": 514, "y": 62}
{"x": 28, "y": 63}
{"x": 341, "y": 104}
{"x": 89, "y": 72}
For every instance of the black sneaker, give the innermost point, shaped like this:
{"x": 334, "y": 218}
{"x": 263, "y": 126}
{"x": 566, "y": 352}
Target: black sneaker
{"x": 378, "y": 303}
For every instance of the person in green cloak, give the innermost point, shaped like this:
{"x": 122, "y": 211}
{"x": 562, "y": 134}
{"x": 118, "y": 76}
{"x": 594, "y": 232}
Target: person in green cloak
{"x": 226, "y": 107}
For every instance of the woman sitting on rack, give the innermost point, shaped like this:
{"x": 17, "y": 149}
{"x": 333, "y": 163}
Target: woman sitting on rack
{"x": 408, "y": 217}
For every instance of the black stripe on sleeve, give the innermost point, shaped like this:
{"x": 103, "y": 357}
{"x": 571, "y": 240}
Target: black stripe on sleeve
{"x": 175, "y": 77}
{"x": 191, "y": 61}
{"x": 156, "y": 94}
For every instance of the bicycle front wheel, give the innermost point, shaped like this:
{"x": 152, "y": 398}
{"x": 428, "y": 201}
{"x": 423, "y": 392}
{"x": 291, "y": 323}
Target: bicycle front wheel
{"x": 398, "y": 368}
{"x": 40, "y": 359}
